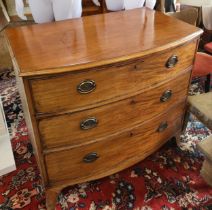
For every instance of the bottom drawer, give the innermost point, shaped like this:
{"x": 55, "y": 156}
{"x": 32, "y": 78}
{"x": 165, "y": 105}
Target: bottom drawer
{"x": 106, "y": 157}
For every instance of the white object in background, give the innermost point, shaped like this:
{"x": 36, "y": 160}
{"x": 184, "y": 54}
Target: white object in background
{"x": 65, "y": 9}
{"x": 132, "y": 4}
{"x": 150, "y": 4}
{"x": 207, "y": 17}
{"x": 197, "y": 3}
{"x": 96, "y": 2}
{"x": 115, "y": 5}
{"x": 177, "y": 7}
{"x": 49, "y": 10}
{"x": 7, "y": 162}
{"x": 19, "y": 5}
{"x": 42, "y": 10}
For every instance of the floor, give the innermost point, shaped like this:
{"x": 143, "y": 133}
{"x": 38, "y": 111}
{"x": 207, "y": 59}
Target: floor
{"x": 169, "y": 179}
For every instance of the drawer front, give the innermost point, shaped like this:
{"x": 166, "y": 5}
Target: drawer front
{"x": 75, "y": 91}
{"x": 106, "y": 157}
{"x": 82, "y": 127}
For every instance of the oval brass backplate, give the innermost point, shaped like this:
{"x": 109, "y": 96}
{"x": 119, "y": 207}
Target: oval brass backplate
{"x": 87, "y": 86}
{"x": 89, "y": 123}
{"x": 166, "y": 96}
{"x": 91, "y": 157}
{"x": 172, "y": 61}
{"x": 162, "y": 127}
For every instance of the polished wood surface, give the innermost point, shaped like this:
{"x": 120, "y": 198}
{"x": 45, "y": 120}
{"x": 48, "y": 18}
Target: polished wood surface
{"x": 112, "y": 83}
{"x": 116, "y": 154}
{"x": 95, "y": 40}
{"x": 125, "y": 54}
{"x": 65, "y": 130}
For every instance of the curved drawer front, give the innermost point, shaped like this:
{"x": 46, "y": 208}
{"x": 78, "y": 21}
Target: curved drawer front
{"x": 85, "y": 126}
{"x": 89, "y": 88}
{"x": 89, "y": 162}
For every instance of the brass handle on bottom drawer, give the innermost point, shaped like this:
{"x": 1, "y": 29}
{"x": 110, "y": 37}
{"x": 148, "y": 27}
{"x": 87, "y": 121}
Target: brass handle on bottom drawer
{"x": 172, "y": 61}
{"x": 162, "y": 126}
{"x": 91, "y": 157}
{"x": 166, "y": 96}
{"x": 87, "y": 86}
{"x": 89, "y": 123}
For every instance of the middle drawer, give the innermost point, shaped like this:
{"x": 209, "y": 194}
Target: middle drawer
{"x": 86, "y": 126}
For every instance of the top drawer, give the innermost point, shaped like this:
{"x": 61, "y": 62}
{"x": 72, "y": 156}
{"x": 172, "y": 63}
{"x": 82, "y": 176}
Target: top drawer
{"x": 86, "y": 89}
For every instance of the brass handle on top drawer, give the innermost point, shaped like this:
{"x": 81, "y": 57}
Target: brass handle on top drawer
{"x": 172, "y": 61}
{"x": 166, "y": 96}
{"x": 91, "y": 157}
{"x": 89, "y": 123}
{"x": 162, "y": 127}
{"x": 87, "y": 86}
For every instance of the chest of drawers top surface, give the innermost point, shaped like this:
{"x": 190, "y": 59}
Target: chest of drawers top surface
{"x": 95, "y": 40}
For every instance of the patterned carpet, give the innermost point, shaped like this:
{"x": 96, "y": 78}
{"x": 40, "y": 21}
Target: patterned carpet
{"x": 167, "y": 180}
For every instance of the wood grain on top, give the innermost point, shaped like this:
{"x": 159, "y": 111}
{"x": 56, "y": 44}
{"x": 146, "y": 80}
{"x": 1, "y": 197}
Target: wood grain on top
{"x": 95, "y": 40}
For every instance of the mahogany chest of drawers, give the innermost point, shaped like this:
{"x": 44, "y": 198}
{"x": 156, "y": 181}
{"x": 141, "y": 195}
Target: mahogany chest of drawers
{"x": 102, "y": 92}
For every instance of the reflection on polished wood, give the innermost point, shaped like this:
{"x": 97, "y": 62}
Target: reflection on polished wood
{"x": 95, "y": 40}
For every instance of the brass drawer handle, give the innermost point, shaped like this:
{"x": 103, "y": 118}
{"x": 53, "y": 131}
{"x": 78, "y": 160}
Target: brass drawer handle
{"x": 166, "y": 96}
{"x": 87, "y": 86}
{"x": 91, "y": 157}
{"x": 172, "y": 61}
{"x": 162, "y": 127}
{"x": 89, "y": 123}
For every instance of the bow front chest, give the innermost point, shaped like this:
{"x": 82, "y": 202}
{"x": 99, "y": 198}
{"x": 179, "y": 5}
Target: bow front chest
{"x": 103, "y": 92}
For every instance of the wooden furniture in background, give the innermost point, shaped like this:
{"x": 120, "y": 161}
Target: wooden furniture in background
{"x": 197, "y": 8}
{"x": 102, "y": 92}
{"x": 189, "y": 15}
{"x": 207, "y": 35}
